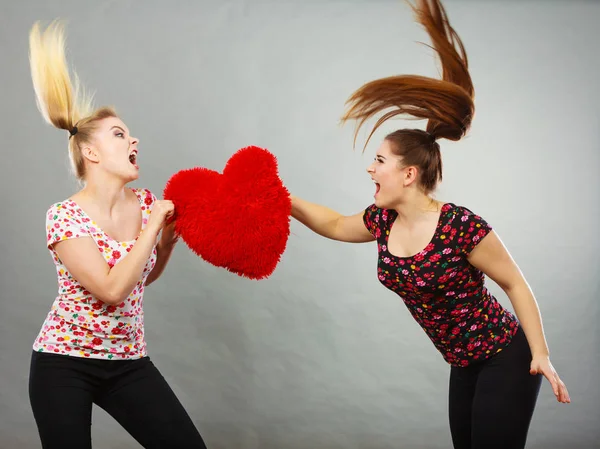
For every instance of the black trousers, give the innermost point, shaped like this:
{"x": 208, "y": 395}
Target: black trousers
{"x": 491, "y": 403}
{"x": 62, "y": 390}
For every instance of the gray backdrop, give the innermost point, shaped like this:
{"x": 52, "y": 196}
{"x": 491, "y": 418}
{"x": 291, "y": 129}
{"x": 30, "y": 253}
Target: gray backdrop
{"x": 320, "y": 355}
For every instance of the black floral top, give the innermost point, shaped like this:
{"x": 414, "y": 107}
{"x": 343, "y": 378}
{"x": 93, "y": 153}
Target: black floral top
{"x": 442, "y": 290}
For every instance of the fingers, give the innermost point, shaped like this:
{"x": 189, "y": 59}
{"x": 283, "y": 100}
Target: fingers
{"x": 553, "y": 382}
{"x": 558, "y": 386}
{"x": 563, "y": 393}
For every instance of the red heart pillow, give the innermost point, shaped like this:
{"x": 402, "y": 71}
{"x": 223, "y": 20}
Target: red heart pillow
{"x": 238, "y": 220}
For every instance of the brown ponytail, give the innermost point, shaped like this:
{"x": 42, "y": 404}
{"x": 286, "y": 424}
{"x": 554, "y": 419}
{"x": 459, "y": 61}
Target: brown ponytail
{"x": 447, "y": 104}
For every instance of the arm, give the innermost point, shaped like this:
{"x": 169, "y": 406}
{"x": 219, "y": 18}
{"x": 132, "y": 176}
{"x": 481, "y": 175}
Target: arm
{"x": 164, "y": 249}
{"x": 109, "y": 285}
{"x": 80, "y": 255}
{"x": 493, "y": 259}
{"x": 329, "y": 223}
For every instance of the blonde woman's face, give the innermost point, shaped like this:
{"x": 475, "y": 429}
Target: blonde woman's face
{"x": 113, "y": 150}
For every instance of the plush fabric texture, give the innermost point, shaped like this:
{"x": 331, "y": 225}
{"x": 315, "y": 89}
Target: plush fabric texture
{"x": 238, "y": 220}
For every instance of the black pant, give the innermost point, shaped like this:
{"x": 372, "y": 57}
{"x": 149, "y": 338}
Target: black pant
{"x": 492, "y": 402}
{"x": 63, "y": 388}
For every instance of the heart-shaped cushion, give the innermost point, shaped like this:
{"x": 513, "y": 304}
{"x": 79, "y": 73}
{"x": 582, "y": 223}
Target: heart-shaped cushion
{"x": 238, "y": 220}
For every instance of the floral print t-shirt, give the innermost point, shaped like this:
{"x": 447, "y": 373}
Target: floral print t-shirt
{"x": 79, "y": 324}
{"x": 444, "y": 293}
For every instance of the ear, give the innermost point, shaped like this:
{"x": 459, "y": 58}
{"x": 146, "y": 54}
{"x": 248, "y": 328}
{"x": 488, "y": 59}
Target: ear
{"x": 410, "y": 175}
{"x": 90, "y": 153}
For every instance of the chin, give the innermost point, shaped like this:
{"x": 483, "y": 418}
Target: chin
{"x": 131, "y": 178}
{"x": 381, "y": 203}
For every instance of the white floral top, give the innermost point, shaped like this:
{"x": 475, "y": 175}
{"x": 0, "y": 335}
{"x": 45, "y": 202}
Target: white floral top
{"x": 79, "y": 324}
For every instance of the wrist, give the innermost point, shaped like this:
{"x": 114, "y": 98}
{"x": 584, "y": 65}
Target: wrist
{"x": 167, "y": 243}
{"x": 152, "y": 230}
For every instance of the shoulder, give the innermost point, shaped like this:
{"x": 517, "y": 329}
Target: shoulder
{"x": 63, "y": 221}
{"x": 145, "y": 196}
{"x": 65, "y": 210}
{"x": 469, "y": 227}
{"x": 375, "y": 217}
{"x": 465, "y": 216}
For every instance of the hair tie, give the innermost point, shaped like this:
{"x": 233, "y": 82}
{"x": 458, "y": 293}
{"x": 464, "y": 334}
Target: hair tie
{"x": 73, "y": 131}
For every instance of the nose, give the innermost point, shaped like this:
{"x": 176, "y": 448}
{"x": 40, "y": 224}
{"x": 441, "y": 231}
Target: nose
{"x": 134, "y": 140}
{"x": 371, "y": 168}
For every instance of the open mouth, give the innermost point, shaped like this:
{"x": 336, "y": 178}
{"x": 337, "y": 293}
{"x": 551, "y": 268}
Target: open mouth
{"x": 133, "y": 158}
{"x": 377, "y": 187}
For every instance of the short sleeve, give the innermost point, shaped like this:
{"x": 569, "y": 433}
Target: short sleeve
{"x": 472, "y": 228}
{"x": 147, "y": 200}
{"x": 371, "y": 220}
{"x": 62, "y": 223}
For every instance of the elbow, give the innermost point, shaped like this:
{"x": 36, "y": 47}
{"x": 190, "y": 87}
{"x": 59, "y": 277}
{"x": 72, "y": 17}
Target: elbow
{"x": 112, "y": 298}
{"x": 513, "y": 288}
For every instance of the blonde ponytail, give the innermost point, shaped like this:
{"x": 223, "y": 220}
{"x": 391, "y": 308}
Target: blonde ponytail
{"x": 63, "y": 104}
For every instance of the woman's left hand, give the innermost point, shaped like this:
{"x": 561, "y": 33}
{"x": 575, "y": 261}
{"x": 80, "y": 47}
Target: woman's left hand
{"x": 542, "y": 365}
{"x": 168, "y": 235}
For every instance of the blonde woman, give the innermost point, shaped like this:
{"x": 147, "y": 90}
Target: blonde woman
{"x": 105, "y": 245}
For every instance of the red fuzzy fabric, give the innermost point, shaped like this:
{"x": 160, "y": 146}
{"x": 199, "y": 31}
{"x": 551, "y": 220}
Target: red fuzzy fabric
{"x": 238, "y": 220}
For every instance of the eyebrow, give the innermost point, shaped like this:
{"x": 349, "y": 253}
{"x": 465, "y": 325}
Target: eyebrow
{"x": 379, "y": 156}
{"x": 117, "y": 126}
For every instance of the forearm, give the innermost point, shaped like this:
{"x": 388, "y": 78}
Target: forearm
{"x": 528, "y": 314}
{"x": 164, "y": 251}
{"x": 317, "y": 218}
{"x": 123, "y": 277}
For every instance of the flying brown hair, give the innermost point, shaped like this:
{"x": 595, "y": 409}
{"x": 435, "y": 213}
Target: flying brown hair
{"x": 447, "y": 104}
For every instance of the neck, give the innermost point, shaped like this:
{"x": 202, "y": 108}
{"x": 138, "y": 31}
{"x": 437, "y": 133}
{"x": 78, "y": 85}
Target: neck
{"x": 417, "y": 207}
{"x": 104, "y": 193}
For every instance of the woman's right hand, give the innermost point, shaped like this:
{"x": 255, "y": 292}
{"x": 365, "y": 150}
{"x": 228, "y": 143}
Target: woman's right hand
{"x": 162, "y": 211}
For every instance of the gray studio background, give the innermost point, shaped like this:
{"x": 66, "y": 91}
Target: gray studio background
{"x": 320, "y": 355}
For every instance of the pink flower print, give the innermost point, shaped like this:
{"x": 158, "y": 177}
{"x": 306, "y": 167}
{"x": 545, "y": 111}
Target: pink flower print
{"x": 464, "y": 218}
{"x": 112, "y": 262}
{"x": 385, "y": 260}
{"x": 381, "y": 277}
{"x": 446, "y": 251}
{"x": 473, "y": 327}
{"x": 405, "y": 272}
{"x": 81, "y": 319}
{"x": 419, "y": 257}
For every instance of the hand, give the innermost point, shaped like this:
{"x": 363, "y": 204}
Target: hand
{"x": 168, "y": 236}
{"x": 542, "y": 365}
{"x": 162, "y": 211}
